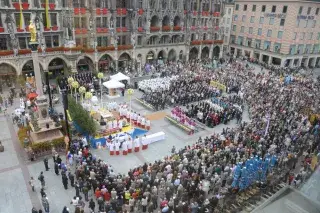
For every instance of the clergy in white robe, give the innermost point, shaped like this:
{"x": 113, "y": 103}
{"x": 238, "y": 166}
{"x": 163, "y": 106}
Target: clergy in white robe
{"x": 109, "y": 125}
{"x": 120, "y": 124}
{"x": 129, "y": 144}
{"x": 124, "y": 148}
{"x": 148, "y": 124}
{"x": 143, "y": 122}
{"x": 139, "y": 121}
{"x": 117, "y": 147}
{"x": 114, "y": 124}
{"x": 121, "y": 112}
{"x": 111, "y": 148}
{"x": 144, "y": 142}
{"x": 136, "y": 144}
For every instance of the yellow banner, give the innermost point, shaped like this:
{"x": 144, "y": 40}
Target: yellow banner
{"x": 314, "y": 162}
{"x": 21, "y": 17}
{"x": 218, "y": 85}
{"x": 47, "y": 15}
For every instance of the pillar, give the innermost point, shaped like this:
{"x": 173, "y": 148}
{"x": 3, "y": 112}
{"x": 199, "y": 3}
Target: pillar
{"x": 282, "y": 63}
{"x": 299, "y": 62}
{"x": 313, "y": 63}
{"x": 260, "y": 57}
{"x": 36, "y": 67}
{"x": 291, "y": 64}
{"x": 251, "y": 54}
{"x": 211, "y": 52}
{"x": 199, "y": 52}
{"x": 270, "y": 60}
{"x": 306, "y": 62}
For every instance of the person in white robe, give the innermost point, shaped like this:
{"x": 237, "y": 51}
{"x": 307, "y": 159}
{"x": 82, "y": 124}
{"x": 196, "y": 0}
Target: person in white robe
{"x": 148, "y": 124}
{"x": 121, "y": 112}
{"x": 109, "y": 125}
{"x": 139, "y": 121}
{"x": 144, "y": 142}
{"x": 111, "y": 148}
{"x": 143, "y": 122}
{"x": 114, "y": 124}
{"x": 129, "y": 144}
{"x": 136, "y": 144}
{"x": 117, "y": 147}
{"x": 125, "y": 148}
{"x": 120, "y": 124}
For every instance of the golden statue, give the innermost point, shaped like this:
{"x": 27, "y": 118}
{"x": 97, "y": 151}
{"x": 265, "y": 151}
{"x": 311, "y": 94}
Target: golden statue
{"x": 33, "y": 32}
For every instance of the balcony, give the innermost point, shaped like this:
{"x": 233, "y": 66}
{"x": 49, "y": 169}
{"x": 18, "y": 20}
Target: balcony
{"x": 24, "y": 52}
{"x": 193, "y": 28}
{"x": 52, "y": 6}
{"x": 102, "y": 30}
{"x": 218, "y": 41}
{"x": 121, "y": 11}
{"x": 19, "y": 30}
{"x": 24, "y": 5}
{"x": 80, "y": 10}
{"x": 140, "y": 11}
{"x": 101, "y": 11}
{"x": 1, "y": 30}
{"x": 166, "y": 28}
{"x": 88, "y": 50}
{"x": 177, "y": 28}
{"x": 81, "y": 31}
{"x": 154, "y": 29}
{"x": 107, "y": 48}
{"x": 207, "y": 42}
{"x": 125, "y": 47}
{"x": 6, "y": 52}
{"x": 205, "y": 13}
{"x": 216, "y": 14}
{"x": 54, "y": 49}
{"x": 196, "y": 42}
{"x": 140, "y": 29}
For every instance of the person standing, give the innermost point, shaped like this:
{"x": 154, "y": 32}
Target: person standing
{"x": 41, "y": 179}
{"x": 92, "y": 205}
{"x": 56, "y": 168}
{"x": 45, "y": 161}
{"x": 65, "y": 181}
{"x": 71, "y": 178}
{"x": 45, "y": 204}
{"x": 34, "y": 210}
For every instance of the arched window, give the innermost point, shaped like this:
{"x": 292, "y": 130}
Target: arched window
{"x": 175, "y": 4}
{"x": 140, "y": 22}
{"x": 205, "y": 36}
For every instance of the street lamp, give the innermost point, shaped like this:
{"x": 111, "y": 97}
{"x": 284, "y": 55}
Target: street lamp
{"x": 75, "y": 85}
{"x": 65, "y": 108}
{"x": 100, "y": 76}
{"x": 130, "y": 93}
{"x": 82, "y": 90}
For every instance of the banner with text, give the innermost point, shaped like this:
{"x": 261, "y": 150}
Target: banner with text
{"x": 218, "y": 85}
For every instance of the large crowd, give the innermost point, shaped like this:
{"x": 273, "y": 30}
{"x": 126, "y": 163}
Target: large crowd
{"x": 200, "y": 178}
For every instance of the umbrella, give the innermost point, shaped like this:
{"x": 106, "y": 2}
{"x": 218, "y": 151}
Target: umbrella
{"x": 32, "y": 95}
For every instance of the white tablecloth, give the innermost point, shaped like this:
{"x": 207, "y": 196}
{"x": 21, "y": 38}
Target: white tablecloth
{"x": 154, "y": 137}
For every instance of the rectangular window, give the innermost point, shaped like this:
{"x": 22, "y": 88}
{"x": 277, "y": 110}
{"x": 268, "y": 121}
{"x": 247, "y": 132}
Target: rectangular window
{"x": 300, "y": 10}
{"x": 294, "y": 36}
{"x": 22, "y": 42}
{"x": 314, "y": 22}
{"x": 118, "y": 22}
{"x": 302, "y": 35}
{"x": 55, "y": 41}
{"x": 235, "y": 18}
{"x": 48, "y": 41}
{"x": 318, "y": 37}
{"x": 260, "y": 31}
{"x": 284, "y": 9}
{"x": 123, "y": 22}
{"x": 271, "y": 21}
{"x": 317, "y": 11}
{"x": 76, "y": 22}
{"x": 242, "y": 29}
{"x": 228, "y": 20}
{"x": 237, "y": 6}
{"x": 98, "y": 22}
{"x": 244, "y": 17}
{"x": 263, "y": 8}
{"x": 4, "y": 44}
{"x": 310, "y": 36}
{"x": 280, "y": 33}
{"x": 139, "y": 42}
{"x": 53, "y": 19}
{"x": 309, "y": 10}
{"x": 254, "y": 7}
{"x": 282, "y": 21}
{"x": 250, "y": 30}
{"x": 274, "y": 8}
{"x": 234, "y": 27}
{"x": 245, "y": 7}
{"x": 306, "y": 25}
{"x": 261, "y": 20}
{"x": 252, "y": 19}
{"x": 269, "y": 33}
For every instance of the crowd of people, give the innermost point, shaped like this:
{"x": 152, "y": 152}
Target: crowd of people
{"x": 200, "y": 178}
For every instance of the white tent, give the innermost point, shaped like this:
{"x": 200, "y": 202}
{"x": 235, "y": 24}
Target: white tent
{"x": 113, "y": 84}
{"x": 120, "y": 77}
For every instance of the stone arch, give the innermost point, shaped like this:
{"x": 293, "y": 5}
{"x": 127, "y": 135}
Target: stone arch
{"x": 88, "y": 56}
{"x": 105, "y": 63}
{"x": 60, "y": 57}
{"x": 150, "y": 56}
{"x": 28, "y": 68}
{"x": 194, "y": 52}
{"x": 177, "y": 21}
{"x": 205, "y": 52}
{"x": 216, "y": 51}
{"x": 140, "y": 22}
{"x": 57, "y": 66}
{"x": 84, "y": 64}
{"x": 5, "y": 65}
{"x": 172, "y": 55}
{"x": 30, "y": 60}
{"x": 154, "y": 22}
{"x": 124, "y": 60}
{"x": 166, "y": 21}
{"x": 162, "y": 55}
{"x": 105, "y": 54}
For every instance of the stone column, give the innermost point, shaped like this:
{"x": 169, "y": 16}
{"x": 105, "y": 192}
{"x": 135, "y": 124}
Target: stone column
{"x": 270, "y": 60}
{"x": 313, "y": 63}
{"x": 306, "y": 62}
{"x": 299, "y": 62}
{"x": 260, "y": 57}
{"x": 291, "y": 63}
{"x": 36, "y": 67}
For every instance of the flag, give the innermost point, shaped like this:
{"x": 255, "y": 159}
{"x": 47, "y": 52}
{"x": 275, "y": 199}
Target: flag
{"x": 47, "y": 15}
{"x": 21, "y": 24}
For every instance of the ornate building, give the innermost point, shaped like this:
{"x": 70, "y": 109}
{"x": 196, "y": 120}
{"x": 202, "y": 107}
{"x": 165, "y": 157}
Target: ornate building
{"x": 106, "y": 35}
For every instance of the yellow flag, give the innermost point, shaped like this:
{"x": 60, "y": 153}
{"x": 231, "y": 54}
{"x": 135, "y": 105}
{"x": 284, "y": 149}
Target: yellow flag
{"x": 21, "y": 16}
{"x": 47, "y": 14}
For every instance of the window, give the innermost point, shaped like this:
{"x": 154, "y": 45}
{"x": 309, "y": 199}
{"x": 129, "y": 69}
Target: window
{"x": 269, "y": 33}
{"x": 317, "y": 11}
{"x": 4, "y": 44}
{"x": 284, "y": 9}
{"x": 228, "y": 20}
{"x": 53, "y": 19}
{"x": 123, "y": 21}
{"x": 227, "y": 30}
{"x": 310, "y": 36}
{"x": 242, "y": 29}
{"x": 280, "y": 33}
{"x": 309, "y": 10}
{"x": 314, "y": 23}
{"x": 273, "y": 9}
{"x": 252, "y": 19}
{"x": 244, "y": 18}
{"x": 250, "y": 30}
{"x": 118, "y": 22}
{"x": 229, "y": 11}
{"x": 140, "y": 4}
{"x": 260, "y": 31}
{"x": 261, "y": 20}
{"x": 98, "y": 22}
{"x": 298, "y": 23}
{"x": 263, "y": 8}
{"x": 245, "y": 7}
{"x": 26, "y": 17}
{"x": 235, "y": 18}
{"x": 306, "y": 25}
{"x": 22, "y": 42}
{"x": 234, "y": 27}
{"x": 302, "y": 35}
{"x": 300, "y": 10}
{"x": 294, "y": 36}
{"x": 282, "y": 21}
{"x": 139, "y": 41}
{"x": 271, "y": 21}
{"x": 237, "y": 6}
{"x": 254, "y": 7}
{"x": 174, "y": 5}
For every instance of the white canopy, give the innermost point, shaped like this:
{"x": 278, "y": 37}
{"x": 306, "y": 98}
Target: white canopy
{"x": 113, "y": 84}
{"x": 120, "y": 77}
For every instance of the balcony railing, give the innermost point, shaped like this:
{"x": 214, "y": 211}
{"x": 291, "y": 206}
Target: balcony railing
{"x": 154, "y": 29}
{"x": 166, "y": 28}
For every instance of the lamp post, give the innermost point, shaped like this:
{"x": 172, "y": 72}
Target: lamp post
{"x": 100, "y": 76}
{"x": 49, "y": 89}
{"x": 65, "y": 108}
{"x": 75, "y": 85}
{"x": 130, "y": 93}
{"x": 88, "y": 96}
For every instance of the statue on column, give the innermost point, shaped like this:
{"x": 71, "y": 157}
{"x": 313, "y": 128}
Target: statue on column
{"x": 33, "y": 32}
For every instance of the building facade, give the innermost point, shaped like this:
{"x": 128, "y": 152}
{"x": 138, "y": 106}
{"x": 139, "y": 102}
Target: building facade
{"x": 106, "y": 35}
{"x": 226, "y": 23}
{"x": 284, "y": 33}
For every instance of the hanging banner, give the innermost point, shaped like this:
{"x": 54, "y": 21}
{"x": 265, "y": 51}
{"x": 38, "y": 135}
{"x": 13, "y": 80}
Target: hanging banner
{"x": 218, "y": 85}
